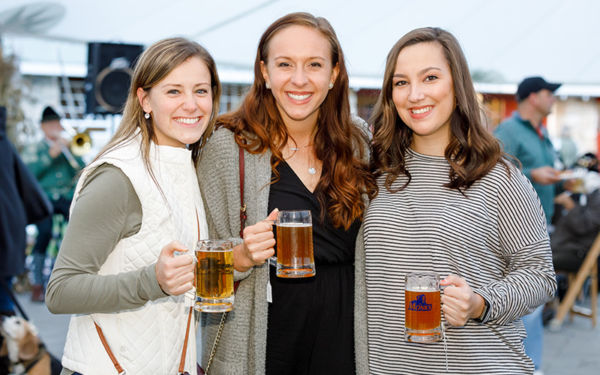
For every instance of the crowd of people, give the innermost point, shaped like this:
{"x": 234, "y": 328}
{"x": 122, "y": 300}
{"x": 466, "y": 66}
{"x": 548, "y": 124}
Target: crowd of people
{"x": 421, "y": 186}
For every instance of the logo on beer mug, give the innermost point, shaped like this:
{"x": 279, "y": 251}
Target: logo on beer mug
{"x": 422, "y": 311}
{"x": 420, "y": 304}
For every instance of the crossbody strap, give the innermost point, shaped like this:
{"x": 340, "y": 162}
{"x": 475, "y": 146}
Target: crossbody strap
{"x": 108, "y": 350}
{"x": 118, "y": 365}
{"x": 111, "y": 355}
{"x": 243, "y": 215}
{"x": 185, "y": 342}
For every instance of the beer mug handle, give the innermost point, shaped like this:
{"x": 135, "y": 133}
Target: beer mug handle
{"x": 177, "y": 253}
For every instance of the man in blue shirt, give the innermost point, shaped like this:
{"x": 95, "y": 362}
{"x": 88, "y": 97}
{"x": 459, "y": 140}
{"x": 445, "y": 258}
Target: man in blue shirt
{"x": 524, "y": 137}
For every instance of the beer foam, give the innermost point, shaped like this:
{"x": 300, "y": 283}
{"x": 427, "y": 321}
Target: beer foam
{"x": 294, "y": 225}
{"x": 422, "y": 289}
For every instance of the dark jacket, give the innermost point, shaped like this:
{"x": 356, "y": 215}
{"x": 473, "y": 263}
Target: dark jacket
{"x": 574, "y": 234}
{"x": 21, "y": 202}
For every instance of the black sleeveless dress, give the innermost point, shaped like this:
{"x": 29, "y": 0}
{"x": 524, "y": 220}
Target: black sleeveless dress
{"x": 311, "y": 320}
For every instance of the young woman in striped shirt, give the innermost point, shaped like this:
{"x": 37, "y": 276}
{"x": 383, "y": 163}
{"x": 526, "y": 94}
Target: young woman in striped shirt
{"x": 449, "y": 202}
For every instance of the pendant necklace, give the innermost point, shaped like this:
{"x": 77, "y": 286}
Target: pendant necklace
{"x": 311, "y": 170}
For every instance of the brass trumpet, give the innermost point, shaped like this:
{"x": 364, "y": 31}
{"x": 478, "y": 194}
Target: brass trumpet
{"x": 80, "y": 144}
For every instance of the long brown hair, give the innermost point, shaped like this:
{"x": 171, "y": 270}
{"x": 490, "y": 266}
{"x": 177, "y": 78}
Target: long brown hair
{"x": 472, "y": 151}
{"x": 152, "y": 66}
{"x": 338, "y": 143}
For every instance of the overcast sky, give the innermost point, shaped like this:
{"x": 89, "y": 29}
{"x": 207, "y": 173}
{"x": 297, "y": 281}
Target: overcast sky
{"x": 512, "y": 38}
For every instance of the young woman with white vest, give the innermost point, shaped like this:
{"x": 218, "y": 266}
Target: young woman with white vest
{"x": 135, "y": 205}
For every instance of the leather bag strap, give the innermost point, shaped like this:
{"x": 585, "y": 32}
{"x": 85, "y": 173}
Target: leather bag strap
{"x": 108, "y": 351}
{"x": 116, "y": 363}
{"x": 185, "y": 342}
{"x": 243, "y": 215}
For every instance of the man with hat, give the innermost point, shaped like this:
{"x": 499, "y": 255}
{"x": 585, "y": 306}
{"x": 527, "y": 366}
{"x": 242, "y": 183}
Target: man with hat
{"x": 524, "y": 136}
{"x": 55, "y": 169}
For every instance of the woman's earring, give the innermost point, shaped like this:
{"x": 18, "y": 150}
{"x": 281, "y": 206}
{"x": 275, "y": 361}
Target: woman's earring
{"x": 147, "y": 115}
{"x": 330, "y": 85}
{"x": 267, "y": 85}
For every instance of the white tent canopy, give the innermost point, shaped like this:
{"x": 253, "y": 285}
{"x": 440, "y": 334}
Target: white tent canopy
{"x": 557, "y": 39}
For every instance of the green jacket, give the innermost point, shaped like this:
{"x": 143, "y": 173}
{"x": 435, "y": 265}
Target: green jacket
{"x": 56, "y": 176}
{"x": 521, "y": 140}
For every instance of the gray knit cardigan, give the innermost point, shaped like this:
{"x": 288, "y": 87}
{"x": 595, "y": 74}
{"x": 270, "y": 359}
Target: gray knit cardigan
{"x": 242, "y": 348}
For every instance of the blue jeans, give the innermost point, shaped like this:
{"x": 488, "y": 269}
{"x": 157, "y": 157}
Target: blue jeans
{"x": 535, "y": 336}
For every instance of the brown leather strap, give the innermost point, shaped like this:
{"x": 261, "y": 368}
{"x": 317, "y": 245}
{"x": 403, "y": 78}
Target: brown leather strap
{"x": 108, "y": 351}
{"x": 185, "y": 342}
{"x": 198, "y": 224}
{"x": 118, "y": 365}
{"x": 243, "y": 216}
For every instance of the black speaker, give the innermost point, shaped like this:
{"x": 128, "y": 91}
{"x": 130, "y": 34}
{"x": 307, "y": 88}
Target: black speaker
{"x": 109, "y": 76}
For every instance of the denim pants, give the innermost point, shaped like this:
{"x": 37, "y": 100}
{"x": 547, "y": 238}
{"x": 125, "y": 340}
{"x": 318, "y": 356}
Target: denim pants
{"x": 535, "y": 336}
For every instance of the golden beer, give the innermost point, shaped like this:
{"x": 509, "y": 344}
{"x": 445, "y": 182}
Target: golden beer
{"x": 214, "y": 276}
{"x": 295, "y": 256}
{"x": 422, "y": 311}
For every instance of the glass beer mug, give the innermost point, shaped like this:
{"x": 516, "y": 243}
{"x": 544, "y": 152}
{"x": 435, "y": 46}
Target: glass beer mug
{"x": 422, "y": 311}
{"x": 214, "y": 276}
{"x": 295, "y": 244}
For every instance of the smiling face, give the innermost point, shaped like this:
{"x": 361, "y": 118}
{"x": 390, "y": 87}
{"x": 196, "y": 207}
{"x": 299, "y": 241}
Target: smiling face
{"x": 180, "y": 105}
{"x": 299, "y": 71}
{"x": 423, "y": 94}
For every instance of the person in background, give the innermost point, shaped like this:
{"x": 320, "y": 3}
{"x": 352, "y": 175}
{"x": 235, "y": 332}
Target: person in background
{"x": 524, "y": 136}
{"x": 579, "y": 223}
{"x": 56, "y": 169}
{"x": 447, "y": 201}
{"x": 302, "y": 151}
{"x": 20, "y": 197}
{"x": 567, "y": 148}
{"x": 135, "y": 205}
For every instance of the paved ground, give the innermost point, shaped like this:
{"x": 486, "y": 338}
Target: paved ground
{"x": 572, "y": 350}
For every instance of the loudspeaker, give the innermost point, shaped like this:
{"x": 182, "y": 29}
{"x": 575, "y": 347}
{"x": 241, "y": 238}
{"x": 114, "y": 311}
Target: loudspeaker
{"x": 110, "y": 67}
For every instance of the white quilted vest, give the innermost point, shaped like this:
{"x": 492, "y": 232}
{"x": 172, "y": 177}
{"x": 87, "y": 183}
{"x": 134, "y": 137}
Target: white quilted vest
{"x": 148, "y": 339}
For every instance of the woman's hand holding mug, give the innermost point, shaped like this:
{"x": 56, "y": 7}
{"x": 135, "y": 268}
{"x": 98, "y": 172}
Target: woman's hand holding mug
{"x": 258, "y": 244}
{"x": 459, "y": 302}
{"x": 175, "y": 274}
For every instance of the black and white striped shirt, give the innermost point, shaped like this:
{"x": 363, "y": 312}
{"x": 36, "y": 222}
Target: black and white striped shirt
{"x": 495, "y": 237}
